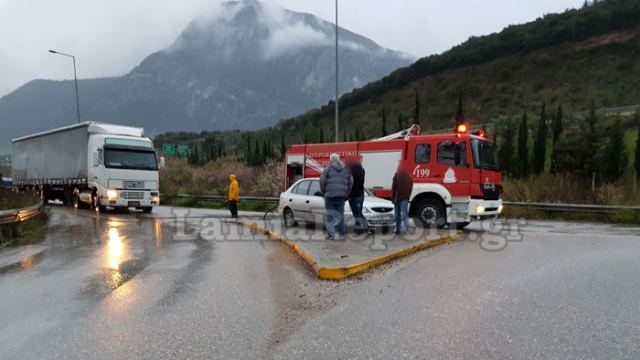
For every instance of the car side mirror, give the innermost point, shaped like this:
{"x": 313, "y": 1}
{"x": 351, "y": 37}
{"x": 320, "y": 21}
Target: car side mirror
{"x": 162, "y": 162}
{"x": 317, "y": 193}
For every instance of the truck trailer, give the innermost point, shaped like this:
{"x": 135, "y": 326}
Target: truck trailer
{"x": 456, "y": 175}
{"x": 89, "y": 165}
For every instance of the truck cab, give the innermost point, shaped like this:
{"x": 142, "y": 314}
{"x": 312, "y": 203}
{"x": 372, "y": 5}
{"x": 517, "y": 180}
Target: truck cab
{"x": 456, "y": 178}
{"x": 123, "y": 172}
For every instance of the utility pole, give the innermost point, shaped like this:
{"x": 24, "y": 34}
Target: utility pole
{"x": 337, "y": 88}
{"x": 75, "y": 76}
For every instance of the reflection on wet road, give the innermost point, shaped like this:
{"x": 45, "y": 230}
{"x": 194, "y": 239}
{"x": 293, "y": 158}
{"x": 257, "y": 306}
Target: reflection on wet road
{"x": 131, "y": 286}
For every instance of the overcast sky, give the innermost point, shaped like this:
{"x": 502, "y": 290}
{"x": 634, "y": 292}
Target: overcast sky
{"x": 111, "y": 37}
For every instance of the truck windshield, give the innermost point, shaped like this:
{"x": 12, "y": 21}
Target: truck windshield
{"x": 130, "y": 159}
{"x": 485, "y": 155}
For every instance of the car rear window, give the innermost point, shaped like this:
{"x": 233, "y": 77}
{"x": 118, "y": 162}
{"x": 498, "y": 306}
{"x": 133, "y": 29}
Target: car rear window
{"x": 302, "y": 188}
{"x": 314, "y": 188}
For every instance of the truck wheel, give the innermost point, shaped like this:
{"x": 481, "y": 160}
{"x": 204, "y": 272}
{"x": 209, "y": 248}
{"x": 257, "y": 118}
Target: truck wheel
{"x": 146, "y": 209}
{"x": 289, "y": 218}
{"x": 96, "y": 204}
{"x": 76, "y": 201}
{"x": 430, "y": 213}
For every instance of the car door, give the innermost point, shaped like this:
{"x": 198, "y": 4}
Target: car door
{"x": 300, "y": 200}
{"x": 316, "y": 202}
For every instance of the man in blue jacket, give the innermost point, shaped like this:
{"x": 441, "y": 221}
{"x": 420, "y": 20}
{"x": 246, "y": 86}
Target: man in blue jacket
{"x": 335, "y": 185}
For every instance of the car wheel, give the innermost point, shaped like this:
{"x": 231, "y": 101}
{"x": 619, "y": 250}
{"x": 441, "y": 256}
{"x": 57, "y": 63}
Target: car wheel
{"x": 430, "y": 213}
{"x": 460, "y": 225}
{"x": 289, "y": 218}
{"x": 146, "y": 209}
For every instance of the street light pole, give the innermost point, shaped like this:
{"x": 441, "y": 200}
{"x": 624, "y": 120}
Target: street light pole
{"x": 337, "y": 89}
{"x": 75, "y": 75}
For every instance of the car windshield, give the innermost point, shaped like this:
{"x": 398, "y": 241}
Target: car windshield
{"x": 130, "y": 159}
{"x": 485, "y": 155}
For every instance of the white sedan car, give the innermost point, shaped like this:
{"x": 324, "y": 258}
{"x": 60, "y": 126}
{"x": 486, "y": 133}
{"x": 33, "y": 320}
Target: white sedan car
{"x": 303, "y": 202}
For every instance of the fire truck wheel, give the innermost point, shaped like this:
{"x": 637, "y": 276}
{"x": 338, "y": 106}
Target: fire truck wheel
{"x": 289, "y": 218}
{"x": 430, "y": 213}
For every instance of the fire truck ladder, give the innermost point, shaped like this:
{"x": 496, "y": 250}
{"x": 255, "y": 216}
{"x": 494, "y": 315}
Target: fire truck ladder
{"x": 403, "y": 134}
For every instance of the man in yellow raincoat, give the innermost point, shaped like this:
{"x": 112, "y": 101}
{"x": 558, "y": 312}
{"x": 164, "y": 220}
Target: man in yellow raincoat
{"x": 234, "y": 195}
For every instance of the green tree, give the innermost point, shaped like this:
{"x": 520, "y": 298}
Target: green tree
{"x": 248, "y": 155}
{"x": 557, "y": 124}
{"x": 615, "y": 156}
{"x": 384, "y": 122}
{"x": 506, "y": 149}
{"x": 416, "y": 109}
{"x": 357, "y": 136}
{"x": 523, "y": 147}
{"x": 283, "y": 147}
{"x": 540, "y": 143}
{"x": 321, "y": 141}
{"x": 591, "y": 143}
{"x": 460, "y": 112}
{"x": 636, "y": 118}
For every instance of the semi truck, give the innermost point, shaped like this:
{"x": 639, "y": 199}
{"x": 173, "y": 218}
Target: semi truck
{"x": 91, "y": 165}
{"x": 456, "y": 175}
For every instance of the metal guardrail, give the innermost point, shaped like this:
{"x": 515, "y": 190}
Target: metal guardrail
{"x": 584, "y": 208}
{"x": 219, "y": 197}
{"x": 546, "y": 207}
{"x": 19, "y": 215}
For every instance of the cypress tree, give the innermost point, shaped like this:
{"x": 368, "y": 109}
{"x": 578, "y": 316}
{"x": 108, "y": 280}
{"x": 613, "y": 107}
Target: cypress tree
{"x": 591, "y": 142}
{"x": 615, "y": 156}
{"x": 506, "y": 149}
{"x": 357, "y": 135}
{"x": 265, "y": 151}
{"x": 248, "y": 152}
{"x": 557, "y": 124}
{"x": 321, "y": 136}
{"x": 460, "y": 112}
{"x": 416, "y": 110}
{"x": 283, "y": 147}
{"x": 636, "y": 118}
{"x": 495, "y": 134}
{"x": 257, "y": 156}
{"x": 384, "y": 121}
{"x": 523, "y": 149}
{"x": 540, "y": 144}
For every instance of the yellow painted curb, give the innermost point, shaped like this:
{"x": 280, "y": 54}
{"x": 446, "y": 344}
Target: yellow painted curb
{"x": 340, "y": 273}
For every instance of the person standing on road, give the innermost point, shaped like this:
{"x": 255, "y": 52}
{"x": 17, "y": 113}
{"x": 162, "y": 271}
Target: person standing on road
{"x": 335, "y": 186}
{"x": 234, "y": 195}
{"x": 401, "y": 193}
{"x": 356, "y": 197}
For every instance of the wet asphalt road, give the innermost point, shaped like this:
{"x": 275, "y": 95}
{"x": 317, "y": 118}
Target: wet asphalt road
{"x": 129, "y": 286}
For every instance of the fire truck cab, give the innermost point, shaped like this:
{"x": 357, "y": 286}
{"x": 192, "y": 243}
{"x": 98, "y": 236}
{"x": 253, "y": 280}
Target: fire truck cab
{"x": 456, "y": 176}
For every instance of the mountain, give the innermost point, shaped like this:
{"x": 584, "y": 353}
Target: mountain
{"x": 246, "y": 67}
{"x": 569, "y": 59}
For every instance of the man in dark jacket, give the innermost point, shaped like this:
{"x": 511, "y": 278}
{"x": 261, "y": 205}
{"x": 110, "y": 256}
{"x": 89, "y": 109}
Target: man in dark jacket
{"x": 401, "y": 193}
{"x": 335, "y": 186}
{"x": 356, "y": 198}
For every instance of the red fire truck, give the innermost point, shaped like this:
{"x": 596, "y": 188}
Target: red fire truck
{"x": 456, "y": 175}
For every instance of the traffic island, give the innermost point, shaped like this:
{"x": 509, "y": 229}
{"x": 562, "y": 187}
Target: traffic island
{"x": 337, "y": 260}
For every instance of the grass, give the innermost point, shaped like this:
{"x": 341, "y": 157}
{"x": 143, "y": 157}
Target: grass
{"x": 624, "y": 218}
{"x": 258, "y": 206}
{"x": 13, "y": 200}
